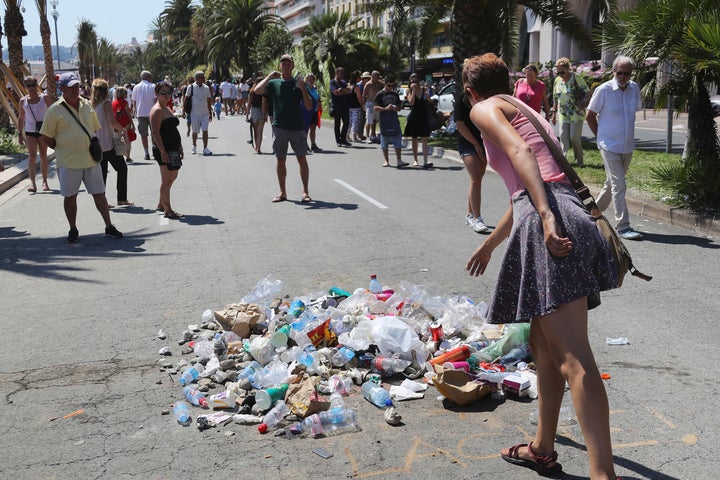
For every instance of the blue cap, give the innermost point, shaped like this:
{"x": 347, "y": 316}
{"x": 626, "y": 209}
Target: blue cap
{"x": 68, "y": 79}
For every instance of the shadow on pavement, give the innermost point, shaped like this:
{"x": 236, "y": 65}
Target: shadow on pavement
{"x": 320, "y": 205}
{"x": 680, "y": 240}
{"x": 54, "y": 258}
{"x": 641, "y": 470}
{"x": 201, "y": 220}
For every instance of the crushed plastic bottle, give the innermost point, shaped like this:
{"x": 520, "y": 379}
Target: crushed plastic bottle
{"x": 195, "y": 396}
{"x": 515, "y": 355}
{"x": 191, "y": 374}
{"x": 390, "y": 365}
{"x": 335, "y": 421}
{"x": 274, "y": 416}
{"x": 182, "y": 413}
{"x": 376, "y": 395}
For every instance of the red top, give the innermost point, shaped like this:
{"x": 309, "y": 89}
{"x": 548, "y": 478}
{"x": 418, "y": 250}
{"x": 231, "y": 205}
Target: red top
{"x": 119, "y": 106}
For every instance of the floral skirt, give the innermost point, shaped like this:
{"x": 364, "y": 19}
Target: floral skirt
{"x": 531, "y": 281}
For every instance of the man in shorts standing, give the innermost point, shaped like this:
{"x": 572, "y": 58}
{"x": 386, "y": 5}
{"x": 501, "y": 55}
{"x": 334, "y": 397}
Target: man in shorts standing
{"x": 66, "y": 136}
{"x": 143, "y": 98}
{"x": 286, "y": 93}
{"x": 370, "y": 91}
{"x": 201, "y": 112}
{"x": 387, "y": 103}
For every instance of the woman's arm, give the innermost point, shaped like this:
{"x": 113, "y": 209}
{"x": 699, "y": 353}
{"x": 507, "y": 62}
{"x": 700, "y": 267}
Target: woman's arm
{"x": 492, "y": 117}
{"x": 465, "y": 132}
{"x": 156, "y": 118}
{"x": 107, "y": 107}
{"x": 21, "y": 121}
{"x": 481, "y": 256}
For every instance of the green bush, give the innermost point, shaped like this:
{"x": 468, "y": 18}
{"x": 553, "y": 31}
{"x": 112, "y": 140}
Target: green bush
{"x": 8, "y": 145}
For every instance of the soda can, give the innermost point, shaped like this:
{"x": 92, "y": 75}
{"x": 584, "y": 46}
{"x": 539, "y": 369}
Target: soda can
{"x": 437, "y": 332}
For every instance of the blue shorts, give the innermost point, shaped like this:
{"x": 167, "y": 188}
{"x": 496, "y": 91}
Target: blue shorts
{"x": 396, "y": 140}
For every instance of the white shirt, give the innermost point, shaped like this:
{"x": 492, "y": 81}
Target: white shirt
{"x": 616, "y": 115}
{"x": 200, "y": 95}
{"x": 143, "y": 97}
{"x": 226, "y": 89}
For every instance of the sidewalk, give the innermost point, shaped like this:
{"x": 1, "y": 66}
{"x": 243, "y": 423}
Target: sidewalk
{"x": 680, "y": 217}
{"x": 16, "y": 171}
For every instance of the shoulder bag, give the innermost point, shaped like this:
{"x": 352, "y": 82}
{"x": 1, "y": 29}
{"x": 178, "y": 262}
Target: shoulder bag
{"x": 619, "y": 252}
{"x": 95, "y": 148}
{"x": 38, "y": 125}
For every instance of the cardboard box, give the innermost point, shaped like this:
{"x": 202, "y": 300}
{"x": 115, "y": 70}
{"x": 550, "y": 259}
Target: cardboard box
{"x": 515, "y": 385}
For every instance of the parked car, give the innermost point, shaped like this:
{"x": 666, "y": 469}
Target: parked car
{"x": 445, "y": 98}
{"x": 402, "y": 91}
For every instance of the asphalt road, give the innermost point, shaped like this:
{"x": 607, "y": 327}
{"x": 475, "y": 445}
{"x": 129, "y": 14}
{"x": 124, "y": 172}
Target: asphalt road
{"x": 80, "y": 321}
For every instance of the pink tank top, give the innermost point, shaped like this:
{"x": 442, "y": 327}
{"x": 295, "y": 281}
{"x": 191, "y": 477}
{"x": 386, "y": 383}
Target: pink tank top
{"x": 550, "y": 171}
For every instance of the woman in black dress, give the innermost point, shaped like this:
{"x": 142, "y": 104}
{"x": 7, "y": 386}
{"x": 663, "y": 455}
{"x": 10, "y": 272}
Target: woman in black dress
{"x": 166, "y": 138}
{"x": 418, "y": 125}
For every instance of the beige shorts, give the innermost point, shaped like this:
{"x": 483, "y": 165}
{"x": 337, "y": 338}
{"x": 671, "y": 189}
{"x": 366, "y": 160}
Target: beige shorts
{"x": 71, "y": 178}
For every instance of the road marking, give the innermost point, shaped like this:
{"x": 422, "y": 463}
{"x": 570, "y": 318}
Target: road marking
{"x": 660, "y": 417}
{"x": 361, "y": 194}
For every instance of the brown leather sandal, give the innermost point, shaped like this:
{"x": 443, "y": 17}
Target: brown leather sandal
{"x": 539, "y": 462}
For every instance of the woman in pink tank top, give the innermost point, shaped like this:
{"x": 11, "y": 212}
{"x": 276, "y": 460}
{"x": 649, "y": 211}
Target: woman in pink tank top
{"x": 554, "y": 267}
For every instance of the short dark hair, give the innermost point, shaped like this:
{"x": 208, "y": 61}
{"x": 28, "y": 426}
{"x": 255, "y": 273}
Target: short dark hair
{"x": 389, "y": 78}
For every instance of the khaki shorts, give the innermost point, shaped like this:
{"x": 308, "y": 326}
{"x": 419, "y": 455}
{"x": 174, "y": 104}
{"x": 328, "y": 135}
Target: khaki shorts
{"x": 296, "y": 138}
{"x": 200, "y": 122}
{"x": 71, "y": 178}
{"x": 143, "y": 125}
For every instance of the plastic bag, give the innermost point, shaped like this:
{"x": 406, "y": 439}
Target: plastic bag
{"x": 266, "y": 289}
{"x": 516, "y": 334}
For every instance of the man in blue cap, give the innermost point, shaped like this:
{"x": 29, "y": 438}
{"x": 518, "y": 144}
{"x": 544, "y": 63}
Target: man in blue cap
{"x": 63, "y": 131}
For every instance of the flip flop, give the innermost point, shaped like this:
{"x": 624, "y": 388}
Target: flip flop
{"x": 402, "y": 164}
{"x": 306, "y": 199}
{"x": 385, "y": 164}
{"x": 174, "y": 215}
{"x": 278, "y": 199}
{"x": 32, "y": 189}
{"x": 428, "y": 165}
{"x": 45, "y": 187}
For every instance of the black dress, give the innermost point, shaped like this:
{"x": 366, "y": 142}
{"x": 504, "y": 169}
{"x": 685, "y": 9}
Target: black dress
{"x": 417, "y": 121}
{"x": 170, "y": 137}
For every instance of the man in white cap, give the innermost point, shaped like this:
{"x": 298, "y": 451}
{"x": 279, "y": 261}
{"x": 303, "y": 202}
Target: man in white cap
{"x": 201, "y": 111}
{"x": 143, "y": 97}
{"x": 66, "y": 129}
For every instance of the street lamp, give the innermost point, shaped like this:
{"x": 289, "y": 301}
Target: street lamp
{"x": 55, "y": 14}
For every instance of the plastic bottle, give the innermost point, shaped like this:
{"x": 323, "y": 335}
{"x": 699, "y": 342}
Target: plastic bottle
{"x": 455, "y": 355}
{"x": 224, "y": 399}
{"x": 390, "y": 365}
{"x": 494, "y": 377}
{"x": 515, "y": 355}
{"x": 191, "y": 374}
{"x": 182, "y": 413}
{"x": 375, "y": 285}
{"x": 342, "y": 356}
{"x": 195, "y": 396}
{"x": 297, "y": 307}
{"x": 377, "y": 395}
{"x": 335, "y": 421}
{"x": 274, "y": 416}
{"x": 249, "y": 371}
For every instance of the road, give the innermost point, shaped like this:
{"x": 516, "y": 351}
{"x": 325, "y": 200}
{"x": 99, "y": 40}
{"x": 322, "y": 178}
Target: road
{"x": 80, "y": 323}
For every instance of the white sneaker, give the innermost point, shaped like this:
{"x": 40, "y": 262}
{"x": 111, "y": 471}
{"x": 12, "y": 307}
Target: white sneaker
{"x": 479, "y": 227}
{"x": 630, "y": 234}
{"x": 194, "y": 149}
{"x": 469, "y": 219}
{"x": 206, "y": 151}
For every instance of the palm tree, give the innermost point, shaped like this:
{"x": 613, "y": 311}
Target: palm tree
{"x": 14, "y": 26}
{"x": 683, "y": 34}
{"x": 332, "y": 40}
{"x": 177, "y": 18}
{"x": 271, "y": 44}
{"x": 87, "y": 50}
{"x": 232, "y": 31}
{"x": 47, "y": 47}
{"x": 107, "y": 60}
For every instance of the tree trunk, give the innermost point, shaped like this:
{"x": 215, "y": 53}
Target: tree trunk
{"x": 471, "y": 34}
{"x": 51, "y": 85}
{"x": 14, "y": 30}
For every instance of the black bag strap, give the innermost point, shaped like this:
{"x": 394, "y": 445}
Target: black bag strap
{"x": 77, "y": 120}
{"x": 30, "y": 107}
{"x": 580, "y": 188}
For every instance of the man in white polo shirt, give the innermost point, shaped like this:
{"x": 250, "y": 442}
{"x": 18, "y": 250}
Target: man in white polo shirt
{"x": 143, "y": 97}
{"x": 611, "y": 117}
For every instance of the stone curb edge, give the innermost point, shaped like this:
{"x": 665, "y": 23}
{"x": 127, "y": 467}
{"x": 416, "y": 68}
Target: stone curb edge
{"x": 680, "y": 217}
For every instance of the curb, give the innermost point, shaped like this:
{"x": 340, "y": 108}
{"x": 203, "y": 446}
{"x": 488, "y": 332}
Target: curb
{"x": 680, "y": 217}
{"x": 16, "y": 173}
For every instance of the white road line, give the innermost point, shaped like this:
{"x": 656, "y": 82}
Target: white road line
{"x": 361, "y": 194}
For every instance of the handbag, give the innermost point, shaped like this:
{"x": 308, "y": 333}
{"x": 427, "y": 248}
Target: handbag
{"x": 95, "y": 148}
{"x": 120, "y": 146}
{"x": 174, "y": 160}
{"x": 187, "y": 103}
{"x": 619, "y": 252}
{"x": 577, "y": 93}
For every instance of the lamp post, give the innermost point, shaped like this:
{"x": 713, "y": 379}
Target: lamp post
{"x": 55, "y": 14}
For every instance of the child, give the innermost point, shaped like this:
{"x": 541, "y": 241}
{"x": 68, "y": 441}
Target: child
{"x": 387, "y": 102}
{"x": 218, "y": 107}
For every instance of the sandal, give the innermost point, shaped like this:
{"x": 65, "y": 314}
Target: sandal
{"x": 279, "y": 198}
{"x": 172, "y": 215}
{"x": 539, "y": 462}
{"x": 32, "y": 189}
{"x": 306, "y": 199}
{"x": 427, "y": 165}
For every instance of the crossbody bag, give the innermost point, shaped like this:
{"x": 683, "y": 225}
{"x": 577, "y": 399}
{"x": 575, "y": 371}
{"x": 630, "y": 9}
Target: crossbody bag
{"x": 95, "y": 148}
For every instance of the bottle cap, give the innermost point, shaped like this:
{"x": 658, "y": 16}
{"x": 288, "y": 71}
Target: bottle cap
{"x": 203, "y": 402}
{"x": 262, "y": 428}
{"x": 373, "y": 276}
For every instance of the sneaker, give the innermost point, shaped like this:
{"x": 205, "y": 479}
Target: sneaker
{"x": 316, "y": 149}
{"x": 147, "y": 156}
{"x": 206, "y": 151}
{"x": 479, "y": 226}
{"x": 194, "y": 149}
{"x": 368, "y": 141}
{"x": 630, "y": 234}
{"x": 73, "y": 235}
{"x": 111, "y": 231}
{"x": 128, "y": 160}
{"x": 469, "y": 219}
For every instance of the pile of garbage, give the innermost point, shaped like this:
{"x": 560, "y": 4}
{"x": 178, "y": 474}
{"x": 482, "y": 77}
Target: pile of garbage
{"x": 285, "y": 364}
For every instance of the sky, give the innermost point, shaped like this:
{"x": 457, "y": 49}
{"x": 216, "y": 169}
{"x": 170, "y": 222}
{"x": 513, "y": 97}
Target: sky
{"x": 117, "y": 21}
